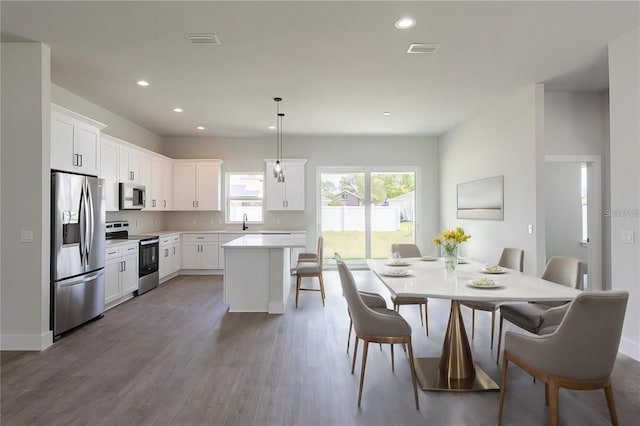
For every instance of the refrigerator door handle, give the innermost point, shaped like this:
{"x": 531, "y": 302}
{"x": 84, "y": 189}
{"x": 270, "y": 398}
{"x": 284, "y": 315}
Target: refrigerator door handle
{"x": 82, "y": 280}
{"x": 90, "y": 221}
{"x": 82, "y": 219}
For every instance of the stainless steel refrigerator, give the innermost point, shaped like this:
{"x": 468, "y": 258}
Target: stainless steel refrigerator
{"x": 77, "y": 250}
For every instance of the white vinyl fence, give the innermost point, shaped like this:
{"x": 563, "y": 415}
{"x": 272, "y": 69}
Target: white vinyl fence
{"x": 351, "y": 218}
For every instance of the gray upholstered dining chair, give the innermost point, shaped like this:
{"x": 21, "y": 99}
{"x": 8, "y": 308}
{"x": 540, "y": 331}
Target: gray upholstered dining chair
{"x": 534, "y": 317}
{"x": 311, "y": 270}
{"x": 579, "y": 355}
{"x": 410, "y": 250}
{"x": 512, "y": 258}
{"x": 374, "y": 326}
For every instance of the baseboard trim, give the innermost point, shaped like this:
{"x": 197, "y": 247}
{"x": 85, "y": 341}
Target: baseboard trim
{"x": 26, "y": 342}
{"x": 630, "y": 348}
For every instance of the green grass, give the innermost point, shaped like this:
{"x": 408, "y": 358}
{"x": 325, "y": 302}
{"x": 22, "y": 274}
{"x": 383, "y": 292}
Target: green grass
{"x": 350, "y": 244}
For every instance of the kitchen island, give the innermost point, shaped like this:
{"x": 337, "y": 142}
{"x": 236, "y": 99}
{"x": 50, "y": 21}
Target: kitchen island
{"x": 257, "y": 271}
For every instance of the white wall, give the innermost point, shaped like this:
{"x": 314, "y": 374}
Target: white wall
{"x": 574, "y": 123}
{"x": 247, "y": 155}
{"x": 500, "y": 140}
{"x": 624, "y": 110}
{"x": 563, "y": 210}
{"x": 25, "y": 196}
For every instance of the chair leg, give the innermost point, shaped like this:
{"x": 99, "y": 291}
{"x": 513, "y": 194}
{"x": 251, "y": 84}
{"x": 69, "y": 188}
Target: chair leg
{"x": 608, "y": 392}
{"x": 355, "y": 352}
{"x": 553, "y": 402}
{"x": 413, "y": 375}
{"x": 364, "y": 365}
{"x": 503, "y": 388}
{"x": 393, "y": 368}
{"x": 420, "y": 309}
{"x": 493, "y": 326}
{"x": 321, "y": 287}
{"x": 499, "y": 341}
{"x": 298, "y": 279}
{"x": 349, "y": 338}
{"x": 426, "y": 318}
{"x": 546, "y": 394}
{"x": 473, "y": 323}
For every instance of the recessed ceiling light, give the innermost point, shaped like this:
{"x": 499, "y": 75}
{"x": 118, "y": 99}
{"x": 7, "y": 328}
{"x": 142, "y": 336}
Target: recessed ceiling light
{"x": 143, "y": 83}
{"x": 272, "y": 127}
{"x": 178, "y": 109}
{"x": 405, "y": 23}
{"x": 386, "y": 113}
{"x": 200, "y": 127}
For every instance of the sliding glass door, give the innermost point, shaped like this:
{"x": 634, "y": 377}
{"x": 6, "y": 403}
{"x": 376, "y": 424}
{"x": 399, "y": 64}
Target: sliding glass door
{"x": 363, "y": 211}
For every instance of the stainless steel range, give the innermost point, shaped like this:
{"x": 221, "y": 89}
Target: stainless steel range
{"x": 148, "y": 251}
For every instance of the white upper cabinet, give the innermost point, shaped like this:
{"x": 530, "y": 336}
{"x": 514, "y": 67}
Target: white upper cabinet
{"x": 161, "y": 184}
{"x": 109, "y": 155}
{"x": 196, "y": 184}
{"x": 146, "y": 178}
{"x": 129, "y": 164}
{"x": 75, "y": 142}
{"x": 290, "y": 194}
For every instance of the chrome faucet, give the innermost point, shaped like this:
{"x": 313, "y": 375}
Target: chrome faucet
{"x": 244, "y": 222}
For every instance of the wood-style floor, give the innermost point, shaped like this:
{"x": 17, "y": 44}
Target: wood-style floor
{"x": 176, "y": 356}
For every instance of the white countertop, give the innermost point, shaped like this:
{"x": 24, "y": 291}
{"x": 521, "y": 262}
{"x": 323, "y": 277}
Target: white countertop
{"x": 239, "y": 231}
{"x": 116, "y": 242}
{"x": 268, "y": 241}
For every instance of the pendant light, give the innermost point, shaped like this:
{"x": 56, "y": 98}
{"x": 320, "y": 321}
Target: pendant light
{"x": 278, "y": 169}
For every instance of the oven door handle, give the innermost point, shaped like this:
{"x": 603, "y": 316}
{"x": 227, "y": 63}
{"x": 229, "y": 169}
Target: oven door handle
{"x": 146, "y": 243}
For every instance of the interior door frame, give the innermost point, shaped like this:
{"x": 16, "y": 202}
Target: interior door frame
{"x": 368, "y": 170}
{"x": 594, "y": 209}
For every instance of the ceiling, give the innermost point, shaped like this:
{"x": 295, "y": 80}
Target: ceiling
{"x": 338, "y": 65}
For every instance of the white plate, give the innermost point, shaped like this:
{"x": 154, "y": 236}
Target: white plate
{"x": 398, "y": 263}
{"x": 484, "y": 283}
{"x": 462, "y": 261}
{"x": 395, "y": 273}
{"x": 428, "y": 258}
{"x": 493, "y": 270}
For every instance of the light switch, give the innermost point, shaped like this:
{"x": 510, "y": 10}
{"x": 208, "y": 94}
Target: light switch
{"x": 530, "y": 229}
{"x": 26, "y": 236}
{"x": 627, "y": 237}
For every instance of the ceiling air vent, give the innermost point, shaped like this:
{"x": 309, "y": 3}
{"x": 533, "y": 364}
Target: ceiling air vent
{"x": 423, "y": 48}
{"x": 203, "y": 38}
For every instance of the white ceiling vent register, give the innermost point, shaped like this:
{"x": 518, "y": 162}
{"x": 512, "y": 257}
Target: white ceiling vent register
{"x": 423, "y": 47}
{"x": 203, "y": 38}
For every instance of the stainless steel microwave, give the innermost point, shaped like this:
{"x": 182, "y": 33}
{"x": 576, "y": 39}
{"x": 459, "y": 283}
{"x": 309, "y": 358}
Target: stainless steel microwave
{"x": 132, "y": 196}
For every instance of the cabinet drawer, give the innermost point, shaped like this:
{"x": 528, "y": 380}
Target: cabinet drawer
{"x": 113, "y": 252}
{"x": 200, "y": 238}
{"x": 129, "y": 249}
{"x": 169, "y": 239}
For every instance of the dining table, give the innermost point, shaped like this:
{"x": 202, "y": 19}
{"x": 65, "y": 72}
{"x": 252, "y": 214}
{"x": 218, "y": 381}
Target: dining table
{"x": 455, "y": 369}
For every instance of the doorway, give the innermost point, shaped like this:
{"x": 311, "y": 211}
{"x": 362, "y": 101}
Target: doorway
{"x": 572, "y": 213}
{"x": 365, "y": 210}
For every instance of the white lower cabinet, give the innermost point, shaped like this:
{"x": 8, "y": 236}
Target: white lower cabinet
{"x": 170, "y": 256}
{"x": 200, "y": 251}
{"x": 121, "y": 272}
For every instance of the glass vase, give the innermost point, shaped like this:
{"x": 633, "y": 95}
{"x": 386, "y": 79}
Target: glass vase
{"x": 450, "y": 256}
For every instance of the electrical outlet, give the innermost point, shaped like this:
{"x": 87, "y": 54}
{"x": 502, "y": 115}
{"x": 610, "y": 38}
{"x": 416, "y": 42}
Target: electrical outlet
{"x": 627, "y": 237}
{"x": 530, "y": 229}
{"x": 26, "y": 236}
{"x": 211, "y": 222}
{"x": 193, "y": 221}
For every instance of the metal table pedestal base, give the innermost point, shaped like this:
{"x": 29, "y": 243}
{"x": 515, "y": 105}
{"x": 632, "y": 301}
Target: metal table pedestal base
{"x": 430, "y": 378}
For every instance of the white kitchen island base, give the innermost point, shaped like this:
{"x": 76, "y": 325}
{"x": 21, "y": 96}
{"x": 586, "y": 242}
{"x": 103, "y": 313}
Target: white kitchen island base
{"x": 257, "y": 272}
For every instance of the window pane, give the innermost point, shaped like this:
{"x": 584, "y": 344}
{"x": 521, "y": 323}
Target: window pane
{"x": 249, "y": 185}
{"x": 253, "y": 209}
